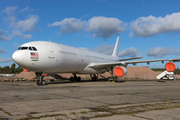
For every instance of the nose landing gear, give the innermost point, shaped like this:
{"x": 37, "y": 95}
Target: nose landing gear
{"x": 40, "y": 81}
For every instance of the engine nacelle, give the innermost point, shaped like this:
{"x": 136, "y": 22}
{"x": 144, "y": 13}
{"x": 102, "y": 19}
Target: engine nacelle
{"x": 170, "y": 66}
{"x": 120, "y": 71}
{"x": 25, "y": 70}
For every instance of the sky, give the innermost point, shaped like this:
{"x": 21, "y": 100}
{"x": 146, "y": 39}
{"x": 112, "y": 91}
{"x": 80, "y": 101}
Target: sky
{"x": 148, "y": 28}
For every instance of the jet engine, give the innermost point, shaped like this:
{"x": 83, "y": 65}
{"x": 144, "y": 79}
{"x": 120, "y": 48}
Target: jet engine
{"x": 120, "y": 71}
{"x": 170, "y": 66}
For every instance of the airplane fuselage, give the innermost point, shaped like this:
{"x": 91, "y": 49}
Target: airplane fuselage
{"x": 49, "y": 57}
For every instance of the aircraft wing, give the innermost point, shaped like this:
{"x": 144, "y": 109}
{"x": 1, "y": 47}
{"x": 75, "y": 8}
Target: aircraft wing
{"x": 130, "y": 58}
{"x": 125, "y": 63}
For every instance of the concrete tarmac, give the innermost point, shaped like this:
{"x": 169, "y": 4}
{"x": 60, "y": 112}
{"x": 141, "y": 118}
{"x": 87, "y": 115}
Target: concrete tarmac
{"x": 142, "y": 100}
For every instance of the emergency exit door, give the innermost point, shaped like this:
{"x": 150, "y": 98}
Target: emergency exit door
{"x": 50, "y": 51}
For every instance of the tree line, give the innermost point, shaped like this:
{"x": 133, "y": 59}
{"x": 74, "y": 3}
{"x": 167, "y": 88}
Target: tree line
{"x": 11, "y": 70}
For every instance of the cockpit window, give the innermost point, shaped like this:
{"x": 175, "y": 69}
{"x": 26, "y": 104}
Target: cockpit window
{"x": 34, "y": 49}
{"x": 24, "y": 48}
{"x": 30, "y": 48}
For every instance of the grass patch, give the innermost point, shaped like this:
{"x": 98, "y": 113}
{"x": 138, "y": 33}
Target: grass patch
{"x": 41, "y": 116}
{"x": 84, "y": 112}
{"x": 130, "y": 110}
{"x": 33, "y": 112}
{"x": 73, "y": 113}
{"x": 104, "y": 115}
{"x": 106, "y": 111}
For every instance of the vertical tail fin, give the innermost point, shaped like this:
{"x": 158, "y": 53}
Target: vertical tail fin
{"x": 116, "y": 48}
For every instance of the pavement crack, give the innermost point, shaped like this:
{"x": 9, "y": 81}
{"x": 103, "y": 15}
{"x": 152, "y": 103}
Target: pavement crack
{"x": 1, "y": 109}
{"x": 141, "y": 117}
{"x": 76, "y": 98}
{"x": 29, "y": 115}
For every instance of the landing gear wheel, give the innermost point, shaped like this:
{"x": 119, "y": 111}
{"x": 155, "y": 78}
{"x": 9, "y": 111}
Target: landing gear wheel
{"x": 38, "y": 82}
{"x": 43, "y": 82}
{"x": 75, "y": 78}
{"x": 78, "y": 79}
{"x": 93, "y": 78}
{"x": 71, "y": 79}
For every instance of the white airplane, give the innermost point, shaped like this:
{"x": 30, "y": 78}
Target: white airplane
{"x": 49, "y": 57}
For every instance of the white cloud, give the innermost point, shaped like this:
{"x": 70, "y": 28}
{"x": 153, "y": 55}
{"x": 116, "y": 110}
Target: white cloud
{"x": 129, "y": 52}
{"x": 151, "y": 25}
{"x": 26, "y": 8}
{"x": 105, "y": 27}
{"x": 98, "y": 26}
{"x": 28, "y": 24}
{"x": 108, "y": 49}
{"x": 10, "y": 10}
{"x": 17, "y": 33}
{"x": 69, "y": 25}
{"x": 104, "y": 48}
{"x": 2, "y": 51}
{"x": 5, "y": 60}
{"x": 11, "y": 21}
{"x": 160, "y": 52}
{"x": 18, "y": 27}
{"x": 4, "y": 37}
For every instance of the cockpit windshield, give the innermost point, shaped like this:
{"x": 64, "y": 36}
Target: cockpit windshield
{"x": 34, "y": 49}
{"x": 31, "y": 48}
{"x": 24, "y": 48}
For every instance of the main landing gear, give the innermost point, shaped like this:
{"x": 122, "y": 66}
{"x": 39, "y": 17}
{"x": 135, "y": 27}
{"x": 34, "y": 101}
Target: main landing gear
{"x": 112, "y": 78}
{"x": 75, "y": 78}
{"x": 40, "y": 81}
{"x": 94, "y": 77}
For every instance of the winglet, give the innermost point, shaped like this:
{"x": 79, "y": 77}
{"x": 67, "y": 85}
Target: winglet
{"x": 116, "y": 48}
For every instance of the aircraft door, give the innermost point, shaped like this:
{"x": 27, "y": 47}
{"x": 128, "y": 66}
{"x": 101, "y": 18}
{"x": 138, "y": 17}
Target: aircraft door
{"x": 82, "y": 60}
{"x": 50, "y": 51}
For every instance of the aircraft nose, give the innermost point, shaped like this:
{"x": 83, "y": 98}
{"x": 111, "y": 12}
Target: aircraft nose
{"x": 17, "y": 57}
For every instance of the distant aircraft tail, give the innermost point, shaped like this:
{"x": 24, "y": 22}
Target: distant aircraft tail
{"x": 116, "y": 48}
